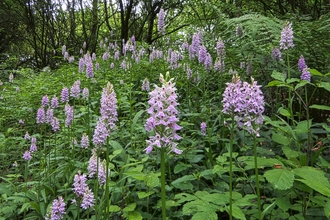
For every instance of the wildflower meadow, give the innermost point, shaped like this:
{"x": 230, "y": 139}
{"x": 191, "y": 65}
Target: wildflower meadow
{"x": 196, "y": 125}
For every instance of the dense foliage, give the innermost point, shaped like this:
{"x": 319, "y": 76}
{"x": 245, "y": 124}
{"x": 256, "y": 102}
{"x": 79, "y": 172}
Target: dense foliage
{"x": 207, "y": 112}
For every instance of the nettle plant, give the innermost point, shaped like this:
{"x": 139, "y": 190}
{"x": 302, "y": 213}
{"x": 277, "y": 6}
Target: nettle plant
{"x": 208, "y": 143}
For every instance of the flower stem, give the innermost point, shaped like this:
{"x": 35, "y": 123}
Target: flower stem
{"x": 231, "y": 168}
{"x": 257, "y": 176}
{"x": 162, "y": 180}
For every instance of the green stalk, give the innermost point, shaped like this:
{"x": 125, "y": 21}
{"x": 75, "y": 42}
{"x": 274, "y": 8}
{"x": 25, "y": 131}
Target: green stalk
{"x": 162, "y": 181}
{"x": 231, "y": 168}
{"x": 257, "y": 176}
{"x": 309, "y": 138}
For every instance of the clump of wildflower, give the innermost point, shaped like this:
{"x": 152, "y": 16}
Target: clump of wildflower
{"x": 249, "y": 68}
{"x": 57, "y": 211}
{"x": 33, "y": 146}
{"x": 55, "y": 124}
{"x": 41, "y": 115}
{"x": 221, "y": 48}
{"x": 63, "y": 49}
{"x": 245, "y": 102}
{"x": 95, "y": 166}
{"x": 75, "y": 89}
{"x": 21, "y": 122}
{"x": 11, "y": 77}
{"x": 101, "y": 133}
{"x": 88, "y": 199}
{"x": 45, "y": 101}
{"x": 108, "y": 108}
{"x": 276, "y": 54}
{"x": 162, "y": 111}
{"x": 305, "y": 75}
{"x": 203, "y": 128}
{"x": 286, "y": 41}
{"x": 27, "y": 136}
{"x": 208, "y": 61}
{"x": 85, "y": 93}
{"x": 219, "y": 65}
{"x": 194, "y": 47}
{"x": 84, "y": 141}
{"x": 161, "y": 22}
{"x": 301, "y": 63}
{"x": 27, "y": 155}
{"x": 69, "y": 114}
{"x": 54, "y": 102}
{"x": 79, "y": 184}
{"x": 202, "y": 54}
{"x": 49, "y": 115}
{"x": 146, "y": 85}
{"x": 65, "y": 95}
{"x": 81, "y": 65}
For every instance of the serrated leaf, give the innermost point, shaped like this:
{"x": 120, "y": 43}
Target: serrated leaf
{"x": 281, "y": 178}
{"x": 134, "y": 216}
{"x": 181, "y": 167}
{"x": 142, "y": 195}
{"x": 216, "y": 198}
{"x": 184, "y": 182}
{"x": 205, "y": 216}
{"x": 237, "y": 212}
{"x": 327, "y": 210}
{"x": 262, "y": 162}
{"x": 313, "y": 178}
{"x": 283, "y": 203}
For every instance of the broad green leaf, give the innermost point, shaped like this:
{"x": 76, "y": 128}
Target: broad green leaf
{"x": 267, "y": 209}
{"x": 142, "y": 195}
{"x": 136, "y": 117}
{"x": 181, "y": 167}
{"x": 280, "y": 139}
{"x": 152, "y": 180}
{"x": 313, "y": 178}
{"x": 284, "y": 112}
{"x": 302, "y": 83}
{"x": 245, "y": 201}
{"x": 279, "y": 76}
{"x": 289, "y": 153}
{"x": 320, "y": 107}
{"x": 205, "y": 216}
{"x": 130, "y": 207}
{"x": 281, "y": 178}
{"x": 283, "y": 203}
{"x": 315, "y": 72}
{"x": 184, "y": 182}
{"x": 262, "y": 162}
{"x": 185, "y": 197}
{"x": 198, "y": 206}
{"x": 274, "y": 83}
{"x": 237, "y": 212}
{"x": 134, "y": 216}
{"x": 325, "y": 85}
{"x": 216, "y": 198}
{"x": 327, "y": 210}
{"x": 114, "y": 208}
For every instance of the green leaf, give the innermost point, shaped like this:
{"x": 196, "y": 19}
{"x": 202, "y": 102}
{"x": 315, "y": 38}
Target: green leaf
{"x": 114, "y": 208}
{"x": 281, "y": 178}
{"x": 216, "y": 198}
{"x": 280, "y": 139}
{"x": 289, "y": 153}
{"x": 205, "y": 216}
{"x": 152, "y": 180}
{"x": 274, "y": 83}
{"x": 181, "y": 167}
{"x": 237, "y": 212}
{"x": 134, "y": 216}
{"x": 130, "y": 207}
{"x": 325, "y": 85}
{"x": 279, "y": 76}
{"x": 327, "y": 210}
{"x": 315, "y": 72}
{"x": 313, "y": 178}
{"x": 184, "y": 182}
{"x": 284, "y": 112}
{"x": 320, "y": 107}
{"x": 142, "y": 195}
{"x": 283, "y": 203}
{"x": 262, "y": 162}
{"x": 302, "y": 83}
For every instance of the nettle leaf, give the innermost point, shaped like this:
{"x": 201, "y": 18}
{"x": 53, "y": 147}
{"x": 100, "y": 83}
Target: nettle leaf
{"x": 313, "y": 178}
{"x": 198, "y": 206}
{"x": 281, "y": 178}
{"x": 216, "y": 198}
{"x": 142, "y": 195}
{"x": 327, "y": 209}
{"x": 152, "y": 180}
{"x": 181, "y": 167}
{"x": 289, "y": 153}
{"x": 237, "y": 212}
{"x": 283, "y": 203}
{"x": 262, "y": 162}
